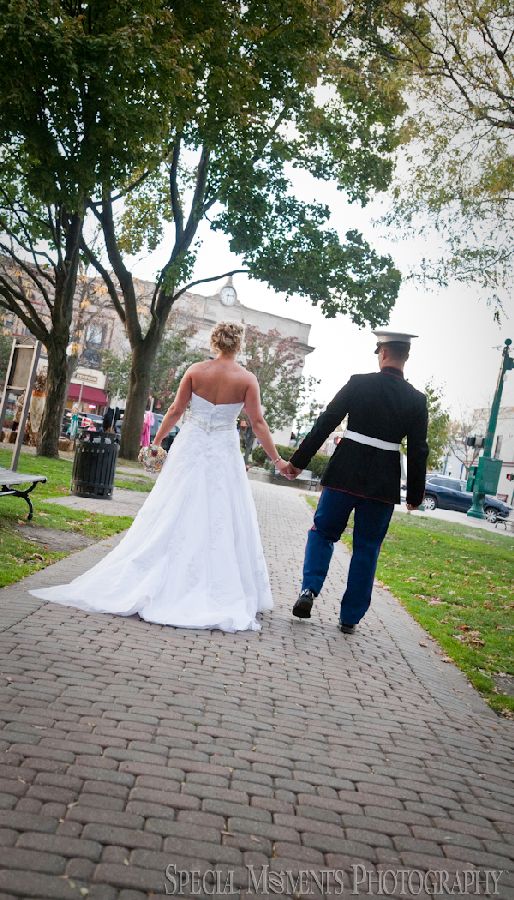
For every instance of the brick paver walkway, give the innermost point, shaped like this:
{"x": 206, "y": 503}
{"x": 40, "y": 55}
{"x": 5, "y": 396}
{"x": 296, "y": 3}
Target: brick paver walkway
{"x": 127, "y": 747}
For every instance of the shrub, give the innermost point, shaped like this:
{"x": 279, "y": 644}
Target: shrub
{"x": 318, "y": 464}
{"x": 285, "y": 452}
{"x": 258, "y": 456}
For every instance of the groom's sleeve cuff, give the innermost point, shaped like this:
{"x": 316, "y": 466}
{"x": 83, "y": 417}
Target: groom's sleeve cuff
{"x": 295, "y": 461}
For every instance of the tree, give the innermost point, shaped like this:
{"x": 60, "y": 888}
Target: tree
{"x": 275, "y": 362}
{"x": 469, "y": 425}
{"x": 438, "y": 426}
{"x": 90, "y": 304}
{"x": 460, "y": 171}
{"x": 265, "y": 88}
{"x": 5, "y": 354}
{"x": 171, "y": 361}
{"x": 438, "y": 429}
{"x": 308, "y": 407}
{"x": 82, "y": 88}
{"x": 117, "y": 371}
{"x": 286, "y": 395}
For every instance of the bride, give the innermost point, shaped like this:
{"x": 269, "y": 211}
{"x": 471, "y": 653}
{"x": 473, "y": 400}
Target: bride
{"x": 193, "y": 556}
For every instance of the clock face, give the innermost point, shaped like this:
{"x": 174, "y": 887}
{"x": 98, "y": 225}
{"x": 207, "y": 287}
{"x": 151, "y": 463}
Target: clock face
{"x": 228, "y": 296}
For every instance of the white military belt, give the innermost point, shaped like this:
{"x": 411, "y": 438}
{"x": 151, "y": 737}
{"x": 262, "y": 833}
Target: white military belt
{"x": 370, "y": 441}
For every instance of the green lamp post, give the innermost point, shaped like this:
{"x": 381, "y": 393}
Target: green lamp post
{"x": 488, "y": 470}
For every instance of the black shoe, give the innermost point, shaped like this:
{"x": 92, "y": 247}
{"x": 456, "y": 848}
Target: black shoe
{"x": 303, "y": 606}
{"x": 346, "y": 629}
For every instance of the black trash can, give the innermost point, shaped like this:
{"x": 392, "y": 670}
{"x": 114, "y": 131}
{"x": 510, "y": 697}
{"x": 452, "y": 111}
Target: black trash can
{"x": 94, "y": 465}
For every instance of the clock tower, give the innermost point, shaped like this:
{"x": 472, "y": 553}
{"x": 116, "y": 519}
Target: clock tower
{"x": 228, "y": 294}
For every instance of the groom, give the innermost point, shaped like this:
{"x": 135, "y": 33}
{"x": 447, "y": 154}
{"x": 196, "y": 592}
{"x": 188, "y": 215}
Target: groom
{"x": 363, "y": 474}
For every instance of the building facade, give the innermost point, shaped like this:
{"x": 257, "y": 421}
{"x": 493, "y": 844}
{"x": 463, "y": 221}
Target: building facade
{"x": 97, "y": 328}
{"x": 202, "y": 313}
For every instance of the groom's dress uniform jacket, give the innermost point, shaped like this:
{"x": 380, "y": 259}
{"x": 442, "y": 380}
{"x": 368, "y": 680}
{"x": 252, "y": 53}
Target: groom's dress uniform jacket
{"x": 379, "y": 405}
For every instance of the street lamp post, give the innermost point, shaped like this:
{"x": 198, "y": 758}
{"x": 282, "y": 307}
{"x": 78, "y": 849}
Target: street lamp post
{"x": 488, "y": 469}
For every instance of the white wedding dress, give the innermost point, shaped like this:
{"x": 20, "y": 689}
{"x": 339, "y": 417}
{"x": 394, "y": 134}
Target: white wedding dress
{"x": 193, "y": 556}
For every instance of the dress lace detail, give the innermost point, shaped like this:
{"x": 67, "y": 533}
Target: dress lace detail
{"x": 193, "y": 556}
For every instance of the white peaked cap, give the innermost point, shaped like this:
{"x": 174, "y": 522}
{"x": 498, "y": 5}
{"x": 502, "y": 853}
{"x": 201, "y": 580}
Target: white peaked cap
{"x": 387, "y": 337}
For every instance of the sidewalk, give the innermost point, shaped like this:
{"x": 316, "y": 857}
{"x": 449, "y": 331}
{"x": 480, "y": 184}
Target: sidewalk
{"x": 457, "y": 518}
{"x": 122, "y": 503}
{"x": 127, "y": 747}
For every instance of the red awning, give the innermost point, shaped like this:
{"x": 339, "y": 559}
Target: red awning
{"x": 89, "y": 394}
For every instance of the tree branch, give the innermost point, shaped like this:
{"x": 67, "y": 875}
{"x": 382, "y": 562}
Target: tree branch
{"x": 28, "y": 271}
{"x": 159, "y": 298}
{"x": 176, "y": 206}
{"x": 124, "y": 191}
{"x": 28, "y": 244}
{"x": 15, "y": 207}
{"x": 111, "y": 287}
{"x": 11, "y": 301}
{"x": 30, "y": 250}
{"x": 122, "y": 274}
{"x": 63, "y": 301}
{"x": 198, "y": 198}
{"x": 206, "y": 280}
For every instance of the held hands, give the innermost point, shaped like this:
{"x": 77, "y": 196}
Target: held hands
{"x": 281, "y": 465}
{"x": 286, "y": 469}
{"x": 292, "y": 472}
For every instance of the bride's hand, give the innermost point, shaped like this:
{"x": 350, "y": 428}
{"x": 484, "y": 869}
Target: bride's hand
{"x": 281, "y": 465}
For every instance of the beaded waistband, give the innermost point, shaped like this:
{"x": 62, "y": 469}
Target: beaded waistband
{"x": 208, "y": 427}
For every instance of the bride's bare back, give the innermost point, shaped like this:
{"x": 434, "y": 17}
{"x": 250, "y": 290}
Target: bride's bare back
{"x": 220, "y": 381}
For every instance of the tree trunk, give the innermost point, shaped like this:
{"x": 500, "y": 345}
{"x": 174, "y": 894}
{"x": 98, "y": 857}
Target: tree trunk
{"x": 143, "y": 356}
{"x": 59, "y": 338}
{"x": 57, "y": 382}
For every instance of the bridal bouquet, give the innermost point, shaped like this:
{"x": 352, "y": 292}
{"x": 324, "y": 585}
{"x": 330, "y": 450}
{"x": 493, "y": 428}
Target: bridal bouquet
{"x": 152, "y": 458}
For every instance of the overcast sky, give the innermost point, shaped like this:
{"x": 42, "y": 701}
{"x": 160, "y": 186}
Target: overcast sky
{"x": 459, "y": 342}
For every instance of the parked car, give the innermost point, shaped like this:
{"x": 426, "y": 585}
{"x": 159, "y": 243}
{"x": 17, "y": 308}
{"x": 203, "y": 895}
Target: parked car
{"x": 451, "y": 493}
{"x": 92, "y": 422}
{"x": 168, "y": 440}
{"x": 87, "y": 422}
{"x": 170, "y": 437}
{"x": 158, "y": 417}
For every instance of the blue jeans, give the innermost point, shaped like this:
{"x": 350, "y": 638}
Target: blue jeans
{"x": 371, "y": 521}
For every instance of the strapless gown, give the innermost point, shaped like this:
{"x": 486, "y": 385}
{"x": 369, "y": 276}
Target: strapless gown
{"x": 193, "y": 556}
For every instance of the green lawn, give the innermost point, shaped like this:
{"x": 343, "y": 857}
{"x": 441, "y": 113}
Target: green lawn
{"x": 19, "y": 556}
{"x": 58, "y": 473}
{"x": 456, "y": 581}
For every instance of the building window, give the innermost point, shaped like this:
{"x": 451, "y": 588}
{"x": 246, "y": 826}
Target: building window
{"x": 94, "y": 335}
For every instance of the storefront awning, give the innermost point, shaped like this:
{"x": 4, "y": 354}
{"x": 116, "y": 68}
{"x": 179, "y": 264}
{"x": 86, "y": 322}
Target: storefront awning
{"x": 89, "y": 394}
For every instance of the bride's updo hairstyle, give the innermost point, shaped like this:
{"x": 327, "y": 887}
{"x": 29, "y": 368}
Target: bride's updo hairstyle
{"x": 226, "y": 337}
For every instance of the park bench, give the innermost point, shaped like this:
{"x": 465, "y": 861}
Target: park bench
{"x": 310, "y": 480}
{"x": 306, "y": 478}
{"x": 10, "y": 486}
{"x": 507, "y": 523}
